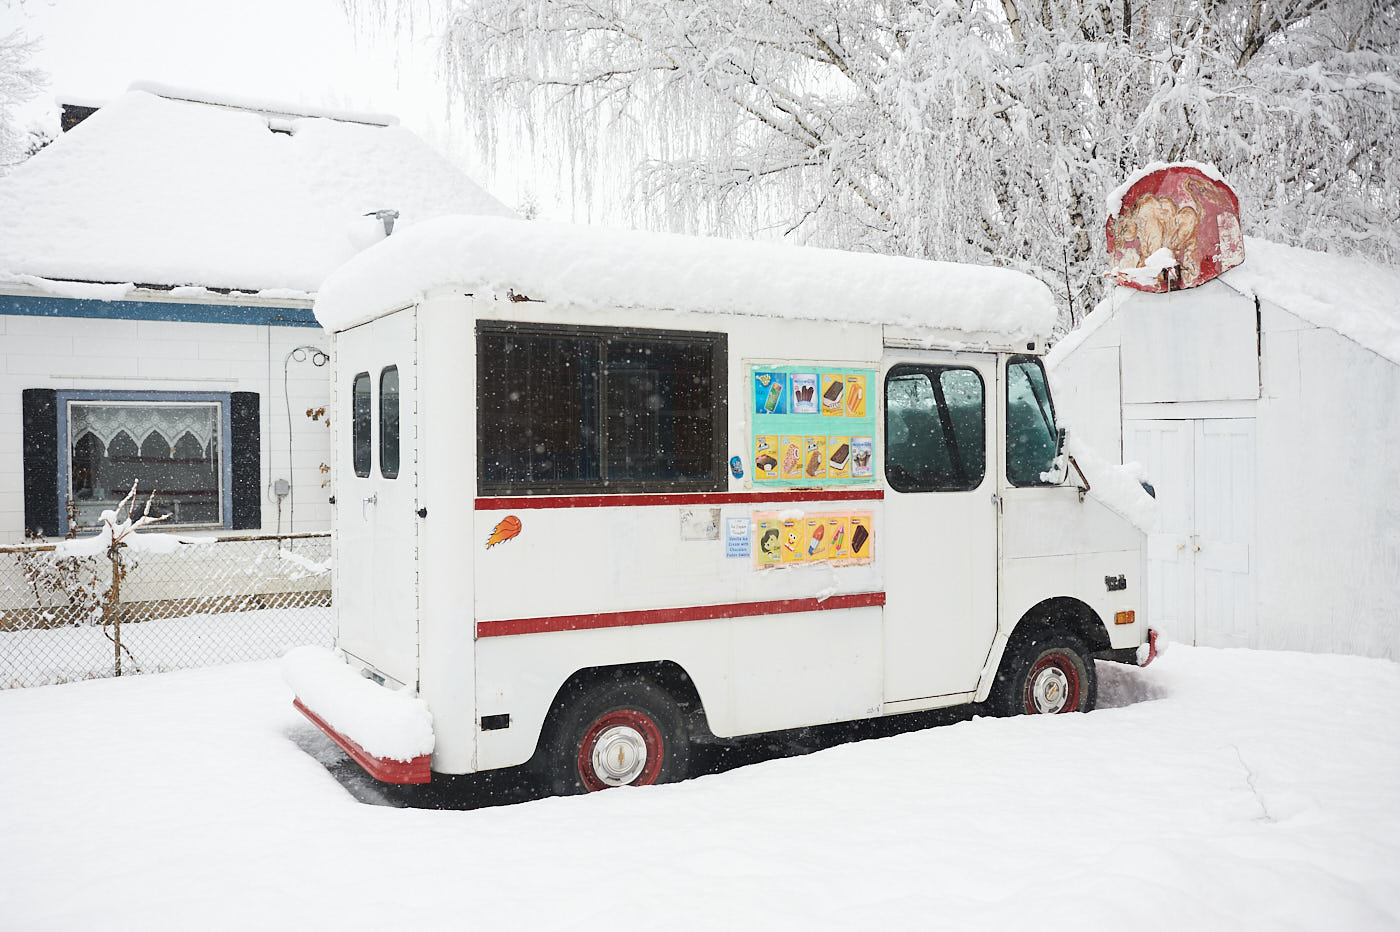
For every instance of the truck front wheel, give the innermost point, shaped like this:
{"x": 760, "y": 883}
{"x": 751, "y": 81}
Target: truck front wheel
{"x": 1047, "y": 673}
{"x": 627, "y": 733}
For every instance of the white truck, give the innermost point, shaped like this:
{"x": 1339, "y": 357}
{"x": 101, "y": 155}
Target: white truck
{"x": 600, "y": 494}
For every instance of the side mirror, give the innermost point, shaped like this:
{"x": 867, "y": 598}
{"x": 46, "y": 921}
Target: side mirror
{"x": 1061, "y": 440}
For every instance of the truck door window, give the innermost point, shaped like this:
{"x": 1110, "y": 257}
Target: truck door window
{"x": 1031, "y": 437}
{"x": 599, "y": 410}
{"x": 389, "y": 422}
{"x": 360, "y": 421}
{"x": 935, "y": 429}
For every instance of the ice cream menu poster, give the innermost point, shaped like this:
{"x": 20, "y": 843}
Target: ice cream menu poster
{"x": 813, "y": 426}
{"x": 844, "y": 537}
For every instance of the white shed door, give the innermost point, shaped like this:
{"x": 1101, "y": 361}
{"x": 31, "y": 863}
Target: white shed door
{"x": 1200, "y": 556}
{"x": 1166, "y": 448}
{"x": 1225, "y": 532}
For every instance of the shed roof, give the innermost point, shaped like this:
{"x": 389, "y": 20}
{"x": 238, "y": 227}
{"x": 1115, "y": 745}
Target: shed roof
{"x": 175, "y": 192}
{"x": 1356, "y": 297}
{"x": 601, "y": 267}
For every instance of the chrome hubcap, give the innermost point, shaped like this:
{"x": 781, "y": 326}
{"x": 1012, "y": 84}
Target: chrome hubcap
{"x": 619, "y": 755}
{"x": 1050, "y": 690}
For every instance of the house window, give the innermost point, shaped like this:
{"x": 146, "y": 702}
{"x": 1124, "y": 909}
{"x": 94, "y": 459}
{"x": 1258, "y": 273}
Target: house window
{"x": 935, "y": 429}
{"x": 602, "y": 410}
{"x": 172, "y": 446}
{"x": 1032, "y": 440}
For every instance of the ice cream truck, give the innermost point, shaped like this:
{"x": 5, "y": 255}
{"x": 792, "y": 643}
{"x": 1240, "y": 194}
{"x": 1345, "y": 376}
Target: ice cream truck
{"x": 600, "y": 495}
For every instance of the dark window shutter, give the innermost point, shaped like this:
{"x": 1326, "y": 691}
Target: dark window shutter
{"x": 246, "y": 445}
{"x": 42, "y": 511}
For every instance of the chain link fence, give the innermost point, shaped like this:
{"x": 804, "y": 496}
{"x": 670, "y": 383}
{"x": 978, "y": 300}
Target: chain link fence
{"x": 225, "y": 600}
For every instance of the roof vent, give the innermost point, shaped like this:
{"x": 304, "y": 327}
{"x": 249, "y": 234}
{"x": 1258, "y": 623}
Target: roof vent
{"x": 385, "y": 216}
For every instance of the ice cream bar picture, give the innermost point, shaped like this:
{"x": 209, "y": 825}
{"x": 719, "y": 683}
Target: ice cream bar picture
{"x": 769, "y": 391}
{"x": 814, "y": 457}
{"x": 775, "y": 392}
{"x": 815, "y": 542}
{"x": 833, "y": 387}
{"x": 855, "y": 395}
{"x": 858, "y": 538}
{"x": 838, "y": 458}
{"x": 804, "y": 392}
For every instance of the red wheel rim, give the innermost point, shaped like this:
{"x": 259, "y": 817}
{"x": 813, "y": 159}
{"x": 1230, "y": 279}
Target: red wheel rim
{"x": 638, "y": 722}
{"x": 1041, "y": 677}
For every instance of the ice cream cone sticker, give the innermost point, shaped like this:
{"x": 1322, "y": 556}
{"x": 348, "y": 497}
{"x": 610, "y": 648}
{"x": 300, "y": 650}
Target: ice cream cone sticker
{"x": 505, "y": 529}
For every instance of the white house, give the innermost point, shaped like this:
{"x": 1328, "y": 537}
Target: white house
{"x": 1265, "y": 407}
{"x": 158, "y": 264}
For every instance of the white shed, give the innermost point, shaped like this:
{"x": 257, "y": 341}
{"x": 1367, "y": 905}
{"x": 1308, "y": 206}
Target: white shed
{"x": 1265, "y": 409}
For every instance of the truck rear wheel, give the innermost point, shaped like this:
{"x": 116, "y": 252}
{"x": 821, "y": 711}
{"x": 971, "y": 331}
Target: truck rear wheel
{"x": 628, "y": 733}
{"x": 1048, "y": 673}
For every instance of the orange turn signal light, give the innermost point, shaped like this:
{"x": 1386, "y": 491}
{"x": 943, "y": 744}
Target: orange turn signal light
{"x": 1124, "y": 618}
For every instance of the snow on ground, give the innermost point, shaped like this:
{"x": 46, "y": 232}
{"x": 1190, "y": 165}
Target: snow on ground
{"x": 1216, "y": 790}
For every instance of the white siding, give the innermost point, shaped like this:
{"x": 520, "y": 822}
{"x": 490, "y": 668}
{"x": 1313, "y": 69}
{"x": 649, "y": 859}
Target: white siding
{"x": 1329, "y": 494}
{"x": 1197, "y": 345}
{"x": 130, "y": 355}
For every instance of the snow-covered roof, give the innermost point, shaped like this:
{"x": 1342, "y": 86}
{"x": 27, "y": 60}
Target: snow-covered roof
{"x": 601, "y": 267}
{"x": 171, "y": 192}
{"x": 1355, "y": 297}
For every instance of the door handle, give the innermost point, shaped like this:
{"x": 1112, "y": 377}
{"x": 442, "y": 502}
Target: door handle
{"x": 366, "y": 502}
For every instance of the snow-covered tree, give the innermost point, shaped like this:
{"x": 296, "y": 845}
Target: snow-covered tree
{"x": 18, "y": 83}
{"x": 974, "y": 130}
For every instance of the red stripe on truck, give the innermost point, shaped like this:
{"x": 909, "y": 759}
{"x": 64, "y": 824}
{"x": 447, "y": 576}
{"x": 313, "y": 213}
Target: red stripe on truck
{"x": 659, "y": 616}
{"x": 678, "y": 498}
{"x": 381, "y": 768}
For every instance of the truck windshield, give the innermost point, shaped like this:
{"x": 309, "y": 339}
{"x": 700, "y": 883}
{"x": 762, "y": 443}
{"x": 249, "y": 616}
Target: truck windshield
{"x": 1031, "y": 438}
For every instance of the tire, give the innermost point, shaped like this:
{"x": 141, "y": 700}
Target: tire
{"x": 616, "y": 733}
{"x": 1047, "y": 673}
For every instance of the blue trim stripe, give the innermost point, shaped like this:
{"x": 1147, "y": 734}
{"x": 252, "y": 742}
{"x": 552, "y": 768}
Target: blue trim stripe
{"x": 48, "y": 306}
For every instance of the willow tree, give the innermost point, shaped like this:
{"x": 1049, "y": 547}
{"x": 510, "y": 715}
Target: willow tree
{"x": 972, "y": 130}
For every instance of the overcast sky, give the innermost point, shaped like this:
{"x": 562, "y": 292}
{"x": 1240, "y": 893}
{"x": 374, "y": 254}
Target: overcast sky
{"x": 294, "y": 51}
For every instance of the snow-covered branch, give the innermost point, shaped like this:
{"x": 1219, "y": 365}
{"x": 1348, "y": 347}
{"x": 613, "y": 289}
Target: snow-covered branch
{"x": 976, "y": 130}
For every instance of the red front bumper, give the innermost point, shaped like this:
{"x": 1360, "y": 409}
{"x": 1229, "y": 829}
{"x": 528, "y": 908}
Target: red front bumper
{"x": 1151, "y": 647}
{"x": 381, "y": 768}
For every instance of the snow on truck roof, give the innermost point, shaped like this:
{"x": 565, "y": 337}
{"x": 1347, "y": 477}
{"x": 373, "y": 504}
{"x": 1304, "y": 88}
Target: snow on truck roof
{"x": 601, "y": 267}
{"x": 174, "y": 192}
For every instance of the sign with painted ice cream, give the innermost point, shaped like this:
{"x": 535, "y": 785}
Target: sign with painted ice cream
{"x": 812, "y": 425}
{"x": 1173, "y": 227}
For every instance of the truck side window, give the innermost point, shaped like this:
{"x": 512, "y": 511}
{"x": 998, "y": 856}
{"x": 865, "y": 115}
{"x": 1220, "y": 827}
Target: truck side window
{"x": 935, "y": 429}
{"x": 599, "y": 409}
{"x": 1031, "y": 437}
{"x": 360, "y": 423}
{"x": 389, "y": 422}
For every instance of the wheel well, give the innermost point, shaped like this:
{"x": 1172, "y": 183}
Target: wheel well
{"x": 1063, "y": 614}
{"x": 666, "y": 674}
